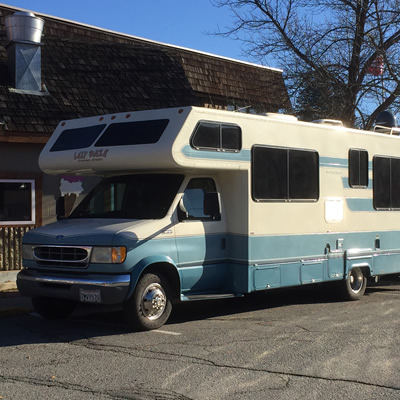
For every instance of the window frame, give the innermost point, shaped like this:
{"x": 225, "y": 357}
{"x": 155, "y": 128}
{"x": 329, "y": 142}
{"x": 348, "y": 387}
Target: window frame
{"x": 387, "y": 190}
{"x": 220, "y": 137}
{"x": 32, "y": 221}
{"x": 358, "y": 184}
{"x": 287, "y": 174}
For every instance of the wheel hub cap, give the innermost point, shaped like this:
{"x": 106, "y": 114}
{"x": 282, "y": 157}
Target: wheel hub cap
{"x": 154, "y": 301}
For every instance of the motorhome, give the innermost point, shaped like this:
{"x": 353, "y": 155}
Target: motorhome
{"x": 198, "y": 203}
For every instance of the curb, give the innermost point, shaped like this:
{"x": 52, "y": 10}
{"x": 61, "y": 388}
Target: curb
{"x": 6, "y": 286}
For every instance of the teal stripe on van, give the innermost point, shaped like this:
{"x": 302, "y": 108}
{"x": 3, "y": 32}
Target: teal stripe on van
{"x": 333, "y": 162}
{"x": 360, "y": 204}
{"x": 242, "y": 155}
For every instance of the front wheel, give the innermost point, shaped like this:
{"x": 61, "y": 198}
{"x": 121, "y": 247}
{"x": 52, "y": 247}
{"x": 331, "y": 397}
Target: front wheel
{"x": 150, "y": 305}
{"x": 355, "y": 284}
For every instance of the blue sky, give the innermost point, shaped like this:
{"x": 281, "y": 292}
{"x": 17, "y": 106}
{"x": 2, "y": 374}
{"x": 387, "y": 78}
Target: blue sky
{"x": 178, "y": 22}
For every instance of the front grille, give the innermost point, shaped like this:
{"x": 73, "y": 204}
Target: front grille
{"x": 62, "y": 256}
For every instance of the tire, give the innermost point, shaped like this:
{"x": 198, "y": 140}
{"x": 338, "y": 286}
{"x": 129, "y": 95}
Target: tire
{"x": 53, "y": 308}
{"x": 355, "y": 284}
{"x": 150, "y": 305}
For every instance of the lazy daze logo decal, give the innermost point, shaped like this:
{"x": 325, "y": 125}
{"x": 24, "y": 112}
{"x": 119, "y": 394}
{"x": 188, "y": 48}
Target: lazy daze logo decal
{"x": 91, "y": 155}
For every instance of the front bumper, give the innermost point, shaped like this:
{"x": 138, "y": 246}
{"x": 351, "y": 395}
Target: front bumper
{"x": 113, "y": 288}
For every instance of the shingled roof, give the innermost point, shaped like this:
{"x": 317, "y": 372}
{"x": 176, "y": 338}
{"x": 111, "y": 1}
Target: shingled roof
{"x": 90, "y": 71}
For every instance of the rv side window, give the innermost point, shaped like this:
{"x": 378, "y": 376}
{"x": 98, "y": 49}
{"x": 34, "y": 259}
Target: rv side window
{"x": 79, "y": 138}
{"x": 358, "y": 168}
{"x": 133, "y": 133}
{"x": 282, "y": 174}
{"x": 386, "y": 184}
{"x": 216, "y": 136}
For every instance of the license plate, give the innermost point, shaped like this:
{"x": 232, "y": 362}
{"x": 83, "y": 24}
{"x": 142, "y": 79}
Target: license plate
{"x": 90, "y": 296}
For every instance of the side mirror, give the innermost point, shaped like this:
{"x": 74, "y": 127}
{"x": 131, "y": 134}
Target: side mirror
{"x": 60, "y": 208}
{"x": 182, "y": 212}
{"x": 212, "y": 205}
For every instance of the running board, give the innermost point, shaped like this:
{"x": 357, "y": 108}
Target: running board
{"x": 211, "y": 296}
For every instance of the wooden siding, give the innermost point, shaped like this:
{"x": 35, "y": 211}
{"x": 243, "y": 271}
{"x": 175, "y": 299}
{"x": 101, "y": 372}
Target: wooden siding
{"x": 10, "y": 247}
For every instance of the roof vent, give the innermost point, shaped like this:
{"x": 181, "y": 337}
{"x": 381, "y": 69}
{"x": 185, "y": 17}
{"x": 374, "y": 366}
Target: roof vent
{"x": 386, "y": 123}
{"x": 332, "y": 122}
{"x": 24, "y": 32}
{"x": 24, "y": 26}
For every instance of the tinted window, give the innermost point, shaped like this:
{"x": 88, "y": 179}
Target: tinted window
{"x": 358, "y": 168}
{"x": 303, "y": 175}
{"x": 382, "y": 182}
{"x": 79, "y": 138}
{"x": 269, "y": 173}
{"x": 206, "y": 136}
{"x": 284, "y": 174}
{"x": 395, "y": 183}
{"x": 132, "y": 133}
{"x": 217, "y": 136}
{"x": 231, "y": 137}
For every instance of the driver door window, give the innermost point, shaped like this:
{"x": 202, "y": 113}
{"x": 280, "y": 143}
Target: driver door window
{"x": 192, "y": 203}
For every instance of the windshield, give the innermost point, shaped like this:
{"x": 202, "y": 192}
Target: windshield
{"x": 146, "y": 196}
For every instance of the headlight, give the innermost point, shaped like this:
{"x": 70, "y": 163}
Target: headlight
{"x": 108, "y": 255}
{"x": 27, "y": 252}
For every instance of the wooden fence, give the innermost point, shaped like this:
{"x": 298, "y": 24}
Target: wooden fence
{"x": 10, "y": 247}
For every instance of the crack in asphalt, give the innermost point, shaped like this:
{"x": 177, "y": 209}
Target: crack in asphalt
{"x": 134, "y": 393}
{"x": 88, "y": 342}
{"x": 165, "y": 356}
{"x": 48, "y": 383}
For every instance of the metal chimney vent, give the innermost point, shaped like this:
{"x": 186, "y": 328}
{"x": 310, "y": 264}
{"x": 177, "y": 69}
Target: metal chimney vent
{"x": 24, "y": 31}
{"x": 24, "y": 26}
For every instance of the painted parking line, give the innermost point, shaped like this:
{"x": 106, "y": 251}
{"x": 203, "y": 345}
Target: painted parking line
{"x": 167, "y": 332}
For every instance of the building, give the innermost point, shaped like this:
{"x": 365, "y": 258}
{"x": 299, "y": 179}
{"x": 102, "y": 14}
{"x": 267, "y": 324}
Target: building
{"x": 72, "y": 70}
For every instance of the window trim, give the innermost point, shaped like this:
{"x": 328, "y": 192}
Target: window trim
{"x": 220, "y": 148}
{"x": 33, "y": 202}
{"x": 358, "y": 186}
{"x": 287, "y": 199}
{"x": 390, "y": 191}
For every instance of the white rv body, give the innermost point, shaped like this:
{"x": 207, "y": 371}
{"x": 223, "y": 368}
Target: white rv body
{"x": 291, "y": 203}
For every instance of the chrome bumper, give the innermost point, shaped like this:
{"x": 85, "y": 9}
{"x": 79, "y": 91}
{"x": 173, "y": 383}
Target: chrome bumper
{"x": 113, "y": 288}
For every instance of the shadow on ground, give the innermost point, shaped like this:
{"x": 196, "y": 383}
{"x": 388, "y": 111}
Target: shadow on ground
{"x": 95, "y": 321}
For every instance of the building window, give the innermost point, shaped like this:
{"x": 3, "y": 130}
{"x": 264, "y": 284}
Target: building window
{"x": 283, "y": 174}
{"x": 386, "y": 183}
{"x": 216, "y": 136}
{"x": 358, "y": 168}
{"x": 17, "y": 202}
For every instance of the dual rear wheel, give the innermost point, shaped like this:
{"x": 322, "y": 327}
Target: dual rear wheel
{"x": 353, "y": 288}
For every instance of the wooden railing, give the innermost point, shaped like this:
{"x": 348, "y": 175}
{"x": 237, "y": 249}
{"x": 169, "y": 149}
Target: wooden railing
{"x": 10, "y": 247}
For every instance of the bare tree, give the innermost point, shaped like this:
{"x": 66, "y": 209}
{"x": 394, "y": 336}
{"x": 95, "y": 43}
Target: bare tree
{"x": 343, "y": 54}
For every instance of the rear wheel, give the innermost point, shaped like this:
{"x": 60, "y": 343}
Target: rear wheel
{"x": 53, "y": 308}
{"x": 150, "y": 305}
{"x": 355, "y": 284}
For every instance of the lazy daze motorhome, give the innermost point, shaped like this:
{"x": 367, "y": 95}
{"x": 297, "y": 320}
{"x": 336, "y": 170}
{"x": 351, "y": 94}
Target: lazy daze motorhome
{"x": 198, "y": 203}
